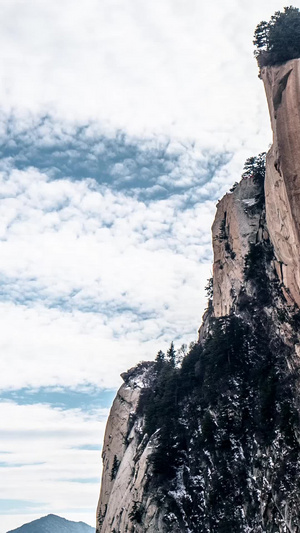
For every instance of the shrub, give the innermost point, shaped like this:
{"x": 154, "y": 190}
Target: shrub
{"x": 278, "y": 40}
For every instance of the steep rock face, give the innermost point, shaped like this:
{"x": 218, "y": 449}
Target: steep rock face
{"x": 282, "y": 186}
{"x": 235, "y": 226}
{"x": 125, "y": 463}
{"x": 223, "y": 436}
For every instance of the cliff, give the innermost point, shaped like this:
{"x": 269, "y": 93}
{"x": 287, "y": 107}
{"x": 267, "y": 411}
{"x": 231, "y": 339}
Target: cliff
{"x": 282, "y": 86}
{"x": 125, "y": 461}
{"x": 213, "y": 445}
{"x": 282, "y": 197}
{"x": 235, "y": 227}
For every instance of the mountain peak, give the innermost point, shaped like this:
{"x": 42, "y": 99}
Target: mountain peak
{"x": 53, "y": 524}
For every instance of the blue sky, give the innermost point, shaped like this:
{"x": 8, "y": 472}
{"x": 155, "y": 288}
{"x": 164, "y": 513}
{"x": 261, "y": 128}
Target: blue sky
{"x": 121, "y": 125}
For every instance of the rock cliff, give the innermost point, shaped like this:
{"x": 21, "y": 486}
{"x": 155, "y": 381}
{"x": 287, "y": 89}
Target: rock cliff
{"x": 236, "y": 225}
{"x": 125, "y": 462}
{"x": 282, "y": 197}
{"x": 282, "y": 188}
{"x": 213, "y": 445}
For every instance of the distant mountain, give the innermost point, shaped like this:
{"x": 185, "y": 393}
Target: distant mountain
{"x": 53, "y": 524}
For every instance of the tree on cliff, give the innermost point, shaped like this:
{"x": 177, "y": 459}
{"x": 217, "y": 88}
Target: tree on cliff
{"x": 278, "y": 40}
{"x": 255, "y": 168}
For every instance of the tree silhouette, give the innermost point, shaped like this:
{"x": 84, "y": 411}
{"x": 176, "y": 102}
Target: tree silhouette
{"x": 278, "y": 40}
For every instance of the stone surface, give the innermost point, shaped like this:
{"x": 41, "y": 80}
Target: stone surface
{"x": 124, "y": 492}
{"x": 236, "y": 224}
{"x": 282, "y": 186}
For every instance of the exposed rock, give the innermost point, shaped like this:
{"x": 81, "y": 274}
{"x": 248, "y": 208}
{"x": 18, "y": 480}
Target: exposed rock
{"x": 125, "y": 463}
{"x": 282, "y": 185}
{"x": 235, "y": 226}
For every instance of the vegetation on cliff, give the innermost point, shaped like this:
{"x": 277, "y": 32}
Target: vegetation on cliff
{"x": 278, "y": 40}
{"x": 227, "y": 451}
{"x": 226, "y": 421}
{"x": 223, "y": 422}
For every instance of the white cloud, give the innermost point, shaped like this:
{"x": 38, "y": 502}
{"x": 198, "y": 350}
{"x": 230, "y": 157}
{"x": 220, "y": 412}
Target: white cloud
{"x": 94, "y": 281}
{"x": 47, "y": 460}
{"x": 183, "y": 67}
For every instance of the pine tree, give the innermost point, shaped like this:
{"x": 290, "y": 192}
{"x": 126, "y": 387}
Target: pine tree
{"x": 160, "y": 359}
{"x": 261, "y": 37}
{"x": 171, "y": 355}
{"x": 278, "y": 40}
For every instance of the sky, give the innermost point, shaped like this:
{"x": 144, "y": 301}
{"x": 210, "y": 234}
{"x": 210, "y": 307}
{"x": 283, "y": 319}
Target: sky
{"x": 122, "y": 123}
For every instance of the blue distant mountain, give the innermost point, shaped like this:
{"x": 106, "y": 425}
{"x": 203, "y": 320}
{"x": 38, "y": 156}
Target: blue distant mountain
{"x": 53, "y": 524}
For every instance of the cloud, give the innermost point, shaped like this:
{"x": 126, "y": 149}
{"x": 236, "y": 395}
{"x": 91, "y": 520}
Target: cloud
{"x": 85, "y": 266}
{"x": 86, "y": 397}
{"x": 136, "y": 166}
{"x": 181, "y": 68}
{"x": 56, "y": 461}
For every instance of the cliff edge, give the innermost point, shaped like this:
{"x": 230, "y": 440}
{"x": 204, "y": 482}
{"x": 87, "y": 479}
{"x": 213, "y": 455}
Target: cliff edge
{"x": 123, "y": 499}
{"x": 213, "y": 445}
{"x": 282, "y": 187}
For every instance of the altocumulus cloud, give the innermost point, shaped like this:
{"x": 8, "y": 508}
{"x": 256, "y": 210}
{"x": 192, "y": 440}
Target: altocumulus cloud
{"x": 80, "y": 255}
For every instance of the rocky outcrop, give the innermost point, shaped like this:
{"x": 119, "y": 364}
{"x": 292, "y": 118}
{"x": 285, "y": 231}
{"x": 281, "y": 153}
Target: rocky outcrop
{"x": 236, "y": 225}
{"x": 123, "y": 498}
{"x": 282, "y": 185}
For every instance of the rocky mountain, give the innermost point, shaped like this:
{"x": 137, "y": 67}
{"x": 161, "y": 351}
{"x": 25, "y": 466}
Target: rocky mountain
{"x": 53, "y": 524}
{"x": 212, "y": 445}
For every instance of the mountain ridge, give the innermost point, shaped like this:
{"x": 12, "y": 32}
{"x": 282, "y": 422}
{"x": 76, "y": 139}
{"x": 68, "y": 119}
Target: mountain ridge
{"x": 52, "y": 523}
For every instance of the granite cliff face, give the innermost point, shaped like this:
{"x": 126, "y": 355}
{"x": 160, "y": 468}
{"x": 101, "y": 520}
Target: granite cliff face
{"x": 282, "y": 197}
{"x": 125, "y": 462}
{"x": 282, "y": 86}
{"x": 236, "y": 225}
{"x": 214, "y": 446}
